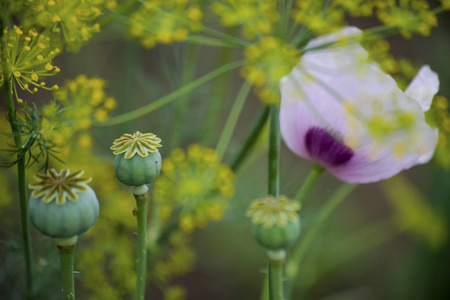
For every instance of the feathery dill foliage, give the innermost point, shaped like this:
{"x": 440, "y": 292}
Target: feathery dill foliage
{"x": 439, "y": 117}
{"x": 256, "y": 17}
{"x": 165, "y": 21}
{"x": 267, "y": 62}
{"x": 197, "y": 184}
{"x": 409, "y": 16}
{"x": 52, "y": 129}
{"x": 27, "y": 59}
{"x": 38, "y": 129}
{"x": 74, "y": 19}
{"x": 84, "y": 100}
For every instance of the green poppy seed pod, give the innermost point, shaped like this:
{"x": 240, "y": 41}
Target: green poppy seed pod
{"x": 62, "y": 205}
{"x": 140, "y": 169}
{"x": 275, "y": 222}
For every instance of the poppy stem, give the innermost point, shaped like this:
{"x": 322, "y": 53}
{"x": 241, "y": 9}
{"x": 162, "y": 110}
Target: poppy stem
{"x": 276, "y": 277}
{"x": 66, "y": 252}
{"x": 141, "y": 195}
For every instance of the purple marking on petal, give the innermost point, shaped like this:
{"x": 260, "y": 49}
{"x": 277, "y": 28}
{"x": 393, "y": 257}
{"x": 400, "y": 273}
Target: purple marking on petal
{"x": 326, "y": 149}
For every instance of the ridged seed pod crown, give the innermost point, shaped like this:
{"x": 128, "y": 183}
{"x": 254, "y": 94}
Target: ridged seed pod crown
{"x": 137, "y": 160}
{"x": 62, "y": 205}
{"x": 275, "y": 222}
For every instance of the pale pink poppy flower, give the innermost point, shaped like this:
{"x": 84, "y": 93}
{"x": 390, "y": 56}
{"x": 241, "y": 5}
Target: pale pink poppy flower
{"x": 347, "y": 115}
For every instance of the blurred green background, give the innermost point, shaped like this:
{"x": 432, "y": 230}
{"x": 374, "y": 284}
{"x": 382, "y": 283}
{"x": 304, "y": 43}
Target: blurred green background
{"x": 364, "y": 251}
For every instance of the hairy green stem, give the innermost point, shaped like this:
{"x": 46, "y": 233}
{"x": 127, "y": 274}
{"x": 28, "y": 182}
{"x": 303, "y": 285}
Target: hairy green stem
{"x": 251, "y": 139}
{"x": 301, "y": 246}
{"x": 189, "y": 68}
{"x": 171, "y": 97}
{"x": 141, "y": 257}
{"x": 309, "y": 182}
{"x": 66, "y": 255}
{"x": 228, "y": 129}
{"x": 23, "y": 201}
{"x": 270, "y": 285}
{"x": 276, "y": 277}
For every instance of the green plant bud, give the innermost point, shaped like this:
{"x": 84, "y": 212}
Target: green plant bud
{"x": 275, "y": 222}
{"x": 62, "y": 205}
{"x": 132, "y": 169}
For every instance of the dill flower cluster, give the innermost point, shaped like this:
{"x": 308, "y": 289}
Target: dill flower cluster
{"x": 27, "y": 60}
{"x": 256, "y": 17}
{"x": 176, "y": 260}
{"x": 410, "y": 16}
{"x": 319, "y": 20}
{"x": 416, "y": 215}
{"x": 165, "y": 21}
{"x": 439, "y": 116}
{"x": 267, "y": 62}
{"x": 413, "y": 16}
{"x": 84, "y": 100}
{"x": 73, "y": 19}
{"x": 196, "y": 184}
{"x": 175, "y": 293}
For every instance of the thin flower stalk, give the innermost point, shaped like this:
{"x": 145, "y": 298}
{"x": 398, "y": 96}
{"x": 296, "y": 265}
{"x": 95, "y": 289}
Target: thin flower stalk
{"x": 141, "y": 259}
{"x": 132, "y": 115}
{"x": 236, "y": 110}
{"x": 299, "y": 249}
{"x": 24, "y": 216}
{"x": 251, "y": 139}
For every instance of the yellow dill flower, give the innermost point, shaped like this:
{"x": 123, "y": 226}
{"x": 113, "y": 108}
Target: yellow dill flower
{"x": 74, "y": 19}
{"x": 177, "y": 259}
{"x": 165, "y": 21}
{"x": 195, "y": 183}
{"x": 175, "y": 293}
{"x": 267, "y": 62}
{"x": 410, "y": 16}
{"x": 445, "y": 4}
{"x": 27, "y": 60}
{"x": 85, "y": 100}
{"x": 379, "y": 51}
{"x": 439, "y": 117}
{"x": 320, "y": 20}
{"x": 256, "y": 17}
